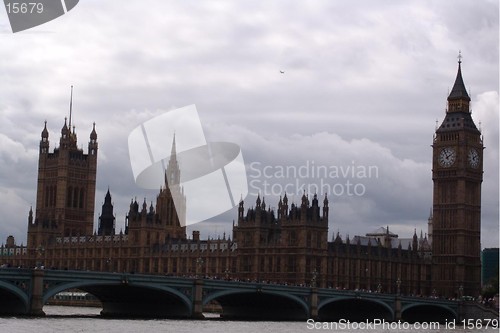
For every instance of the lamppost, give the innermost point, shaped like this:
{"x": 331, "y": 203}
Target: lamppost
{"x": 226, "y": 274}
{"x": 314, "y": 277}
{"x": 379, "y": 288}
{"x": 39, "y": 251}
{"x": 397, "y": 313}
{"x": 108, "y": 264}
{"x": 461, "y": 291}
{"x": 199, "y": 264}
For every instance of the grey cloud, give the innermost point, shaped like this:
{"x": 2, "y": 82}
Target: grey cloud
{"x": 363, "y": 80}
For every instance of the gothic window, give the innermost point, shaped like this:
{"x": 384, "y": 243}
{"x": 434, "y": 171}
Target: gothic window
{"x": 54, "y": 192}
{"x": 46, "y": 196}
{"x": 174, "y": 265}
{"x": 75, "y": 197}
{"x": 292, "y": 264}
{"x": 82, "y": 192}
{"x": 247, "y": 264}
{"x": 233, "y": 265}
{"x": 263, "y": 240}
{"x": 248, "y": 239}
{"x": 69, "y": 196}
{"x": 292, "y": 240}
{"x": 49, "y": 194}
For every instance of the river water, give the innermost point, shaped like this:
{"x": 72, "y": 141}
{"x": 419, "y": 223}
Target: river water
{"x": 83, "y": 319}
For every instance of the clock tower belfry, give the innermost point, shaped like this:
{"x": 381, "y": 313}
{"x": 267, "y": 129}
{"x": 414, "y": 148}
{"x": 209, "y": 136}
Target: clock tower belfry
{"x": 457, "y": 173}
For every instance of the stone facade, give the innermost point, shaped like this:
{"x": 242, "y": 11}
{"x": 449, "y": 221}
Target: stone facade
{"x": 288, "y": 245}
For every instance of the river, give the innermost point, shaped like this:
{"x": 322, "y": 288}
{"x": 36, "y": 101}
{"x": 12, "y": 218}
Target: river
{"x": 86, "y": 319}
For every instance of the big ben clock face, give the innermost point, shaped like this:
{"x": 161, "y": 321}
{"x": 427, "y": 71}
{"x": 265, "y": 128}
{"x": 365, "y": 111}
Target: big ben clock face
{"x": 447, "y": 157}
{"x": 473, "y": 158}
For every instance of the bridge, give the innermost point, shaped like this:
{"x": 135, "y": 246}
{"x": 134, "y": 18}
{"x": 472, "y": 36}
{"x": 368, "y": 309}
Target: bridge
{"x": 25, "y": 291}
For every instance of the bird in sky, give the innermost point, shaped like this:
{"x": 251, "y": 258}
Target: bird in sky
{"x": 282, "y": 72}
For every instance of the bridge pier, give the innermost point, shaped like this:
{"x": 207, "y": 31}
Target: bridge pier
{"x": 36, "y": 300}
{"x": 198, "y": 300}
{"x": 313, "y": 306}
{"x": 461, "y": 312}
{"x": 397, "y": 308}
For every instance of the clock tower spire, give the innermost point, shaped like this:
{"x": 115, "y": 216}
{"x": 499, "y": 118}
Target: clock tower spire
{"x": 457, "y": 173}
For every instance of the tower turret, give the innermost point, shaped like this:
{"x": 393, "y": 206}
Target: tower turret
{"x": 93, "y": 142}
{"x": 107, "y": 218}
{"x": 457, "y": 173}
{"x": 325, "y": 207}
{"x": 65, "y": 189}
{"x": 458, "y": 100}
{"x": 44, "y": 142}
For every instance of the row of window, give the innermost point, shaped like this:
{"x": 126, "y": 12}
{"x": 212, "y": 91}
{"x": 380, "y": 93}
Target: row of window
{"x": 75, "y": 197}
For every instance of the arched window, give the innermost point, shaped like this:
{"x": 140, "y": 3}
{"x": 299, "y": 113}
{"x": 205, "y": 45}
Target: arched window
{"x": 292, "y": 240}
{"x": 69, "y": 196}
{"x": 46, "y": 196}
{"x": 55, "y": 195}
{"x": 82, "y": 195}
{"x": 75, "y": 197}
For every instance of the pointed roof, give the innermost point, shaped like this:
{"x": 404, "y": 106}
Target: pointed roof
{"x": 174, "y": 150}
{"x": 458, "y": 114}
{"x": 45, "y": 133}
{"x": 64, "y": 130}
{"x": 382, "y": 232}
{"x": 172, "y": 173}
{"x": 459, "y": 91}
{"x": 93, "y": 134}
{"x": 107, "y": 198}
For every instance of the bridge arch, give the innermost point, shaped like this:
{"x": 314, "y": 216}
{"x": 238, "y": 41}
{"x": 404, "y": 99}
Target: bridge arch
{"x": 427, "y": 312}
{"x": 354, "y": 309}
{"x": 131, "y": 299}
{"x": 14, "y": 299}
{"x": 259, "y": 304}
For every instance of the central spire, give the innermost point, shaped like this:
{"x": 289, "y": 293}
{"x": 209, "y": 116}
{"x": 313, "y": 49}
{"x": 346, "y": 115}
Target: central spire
{"x": 70, "y": 107}
{"x": 173, "y": 153}
{"x": 172, "y": 174}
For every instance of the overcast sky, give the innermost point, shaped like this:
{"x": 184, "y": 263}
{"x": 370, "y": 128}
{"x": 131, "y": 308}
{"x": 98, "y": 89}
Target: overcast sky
{"x": 364, "y": 83}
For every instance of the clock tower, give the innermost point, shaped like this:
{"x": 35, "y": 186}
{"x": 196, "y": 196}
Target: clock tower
{"x": 457, "y": 173}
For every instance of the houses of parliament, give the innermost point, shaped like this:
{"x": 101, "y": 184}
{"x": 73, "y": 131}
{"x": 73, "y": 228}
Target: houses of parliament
{"x": 289, "y": 245}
